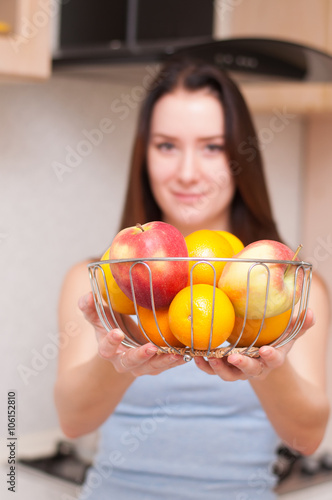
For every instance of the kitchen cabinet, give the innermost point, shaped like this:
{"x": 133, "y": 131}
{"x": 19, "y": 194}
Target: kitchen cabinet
{"x": 299, "y": 98}
{"x": 300, "y": 21}
{"x": 25, "y": 39}
{"x": 329, "y": 24}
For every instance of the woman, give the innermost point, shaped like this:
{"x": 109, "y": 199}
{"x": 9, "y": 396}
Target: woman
{"x": 188, "y": 432}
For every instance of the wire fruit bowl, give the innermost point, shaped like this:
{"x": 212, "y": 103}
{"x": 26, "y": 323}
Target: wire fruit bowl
{"x": 111, "y": 319}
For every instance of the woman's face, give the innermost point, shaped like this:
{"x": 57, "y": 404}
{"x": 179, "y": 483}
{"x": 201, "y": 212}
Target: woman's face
{"x": 187, "y": 163}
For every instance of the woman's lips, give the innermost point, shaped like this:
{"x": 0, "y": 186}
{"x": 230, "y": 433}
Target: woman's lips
{"x": 189, "y": 198}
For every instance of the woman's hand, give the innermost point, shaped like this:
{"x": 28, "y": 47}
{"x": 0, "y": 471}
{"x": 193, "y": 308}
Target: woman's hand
{"x": 241, "y": 367}
{"x": 138, "y": 361}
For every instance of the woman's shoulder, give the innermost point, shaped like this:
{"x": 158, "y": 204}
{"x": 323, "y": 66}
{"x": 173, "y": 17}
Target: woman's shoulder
{"x": 78, "y": 269}
{"x": 80, "y": 266}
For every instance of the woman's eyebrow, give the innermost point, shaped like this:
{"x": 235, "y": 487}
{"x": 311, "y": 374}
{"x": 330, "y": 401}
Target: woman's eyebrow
{"x": 164, "y": 136}
{"x": 212, "y": 137}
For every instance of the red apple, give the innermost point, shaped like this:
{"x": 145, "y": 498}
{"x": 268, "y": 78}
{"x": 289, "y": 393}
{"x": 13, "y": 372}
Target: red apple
{"x": 282, "y": 287}
{"x": 154, "y": 239}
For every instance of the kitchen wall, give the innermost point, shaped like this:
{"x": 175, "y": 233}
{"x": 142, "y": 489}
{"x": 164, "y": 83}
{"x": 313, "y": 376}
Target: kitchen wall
{"x": 65, "y": 148}
{"x": 64, "y": 158}
{"x": 317, "y": 211}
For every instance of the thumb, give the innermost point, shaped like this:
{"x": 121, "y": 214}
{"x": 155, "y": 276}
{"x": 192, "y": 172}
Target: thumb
{"x": 87, "y": 305}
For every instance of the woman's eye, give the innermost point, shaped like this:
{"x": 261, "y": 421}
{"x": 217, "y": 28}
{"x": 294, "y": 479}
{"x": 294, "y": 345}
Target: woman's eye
{"x": 165, "y": 146}
{"x": 215, "y": 147}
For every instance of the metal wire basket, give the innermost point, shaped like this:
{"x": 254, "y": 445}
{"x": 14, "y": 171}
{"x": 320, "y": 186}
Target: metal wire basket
{"x": 111, "y": 319}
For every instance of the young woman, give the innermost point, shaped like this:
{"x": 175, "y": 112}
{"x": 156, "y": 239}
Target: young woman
{"x": 207, "y": 429}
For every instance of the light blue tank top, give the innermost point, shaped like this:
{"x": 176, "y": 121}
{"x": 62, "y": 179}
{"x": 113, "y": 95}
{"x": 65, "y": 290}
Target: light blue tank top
{"x": 181, "y": 435}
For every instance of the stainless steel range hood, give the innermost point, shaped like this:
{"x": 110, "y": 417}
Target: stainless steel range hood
{"x": 258, "y": 58}
{"x": 247, "y": 58}
{"x": 104, "y": 34}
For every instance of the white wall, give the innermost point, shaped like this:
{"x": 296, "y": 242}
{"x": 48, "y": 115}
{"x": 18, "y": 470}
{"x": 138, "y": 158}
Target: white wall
{"x": 317, "y": 211}
{"x": 281, "y": 147}
{"x": 48, "y": 224}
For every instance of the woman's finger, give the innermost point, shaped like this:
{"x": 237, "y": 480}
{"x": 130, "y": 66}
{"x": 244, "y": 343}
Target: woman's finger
{"x": 250, "y": 367}
{"x": 87, "y": 306}
{"x": 164, "y": 361}
{"x": 109, "y": 344}
{"x": 272, "y": 357}
{"x": 144, "y": 361}
{"x": 220, "y": 367}
{"x": 204, "y": 365}
{"x": 131, "y": 359}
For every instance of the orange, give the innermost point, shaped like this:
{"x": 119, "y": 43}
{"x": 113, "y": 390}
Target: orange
{"x": 151, "y": 329}
{"x": 207, "y": 243}
{"x": 272, "y": 328}
{"x": 119, "y": 301}
{"x": 233, "y": 240}
{"x": 181, "y": 316}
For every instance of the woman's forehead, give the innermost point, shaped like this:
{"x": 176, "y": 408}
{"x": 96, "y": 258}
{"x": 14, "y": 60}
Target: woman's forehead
{"x": 182, "y": 111}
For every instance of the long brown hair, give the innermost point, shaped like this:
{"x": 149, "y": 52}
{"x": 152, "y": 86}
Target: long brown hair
{"x": 251, "y": 214}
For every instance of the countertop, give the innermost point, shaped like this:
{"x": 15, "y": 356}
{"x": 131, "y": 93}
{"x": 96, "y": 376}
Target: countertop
{"x": 35, "y": 485}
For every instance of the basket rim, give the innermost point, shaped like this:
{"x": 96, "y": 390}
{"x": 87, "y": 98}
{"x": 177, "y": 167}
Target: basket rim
{"x": 199, "y": 259}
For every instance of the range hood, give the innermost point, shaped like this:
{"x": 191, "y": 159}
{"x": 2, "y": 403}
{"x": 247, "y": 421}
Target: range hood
{"x": 248, "y": 58}
{"x": 261, "y": 58}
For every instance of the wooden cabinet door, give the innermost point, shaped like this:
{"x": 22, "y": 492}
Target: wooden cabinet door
{"x": 25, "y": 50}
{"x": 300, "y": 21}
{"x": 329, "y": 27}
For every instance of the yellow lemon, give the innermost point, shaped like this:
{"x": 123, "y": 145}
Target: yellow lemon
{"x": 234, "y": 241}
{"x": 207, "y": 243}
{"x": 119, "y": 301}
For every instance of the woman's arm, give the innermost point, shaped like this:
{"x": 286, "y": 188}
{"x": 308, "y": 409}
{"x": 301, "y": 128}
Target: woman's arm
{"x": 294, "y": 395}
{"x": 87, "y": 387}
{"x": 94, "y": 368}
{"x": 291, "y": 388}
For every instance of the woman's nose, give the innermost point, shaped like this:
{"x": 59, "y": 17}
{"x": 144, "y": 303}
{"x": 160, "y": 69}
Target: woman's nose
{"x": 188, "y": 167}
